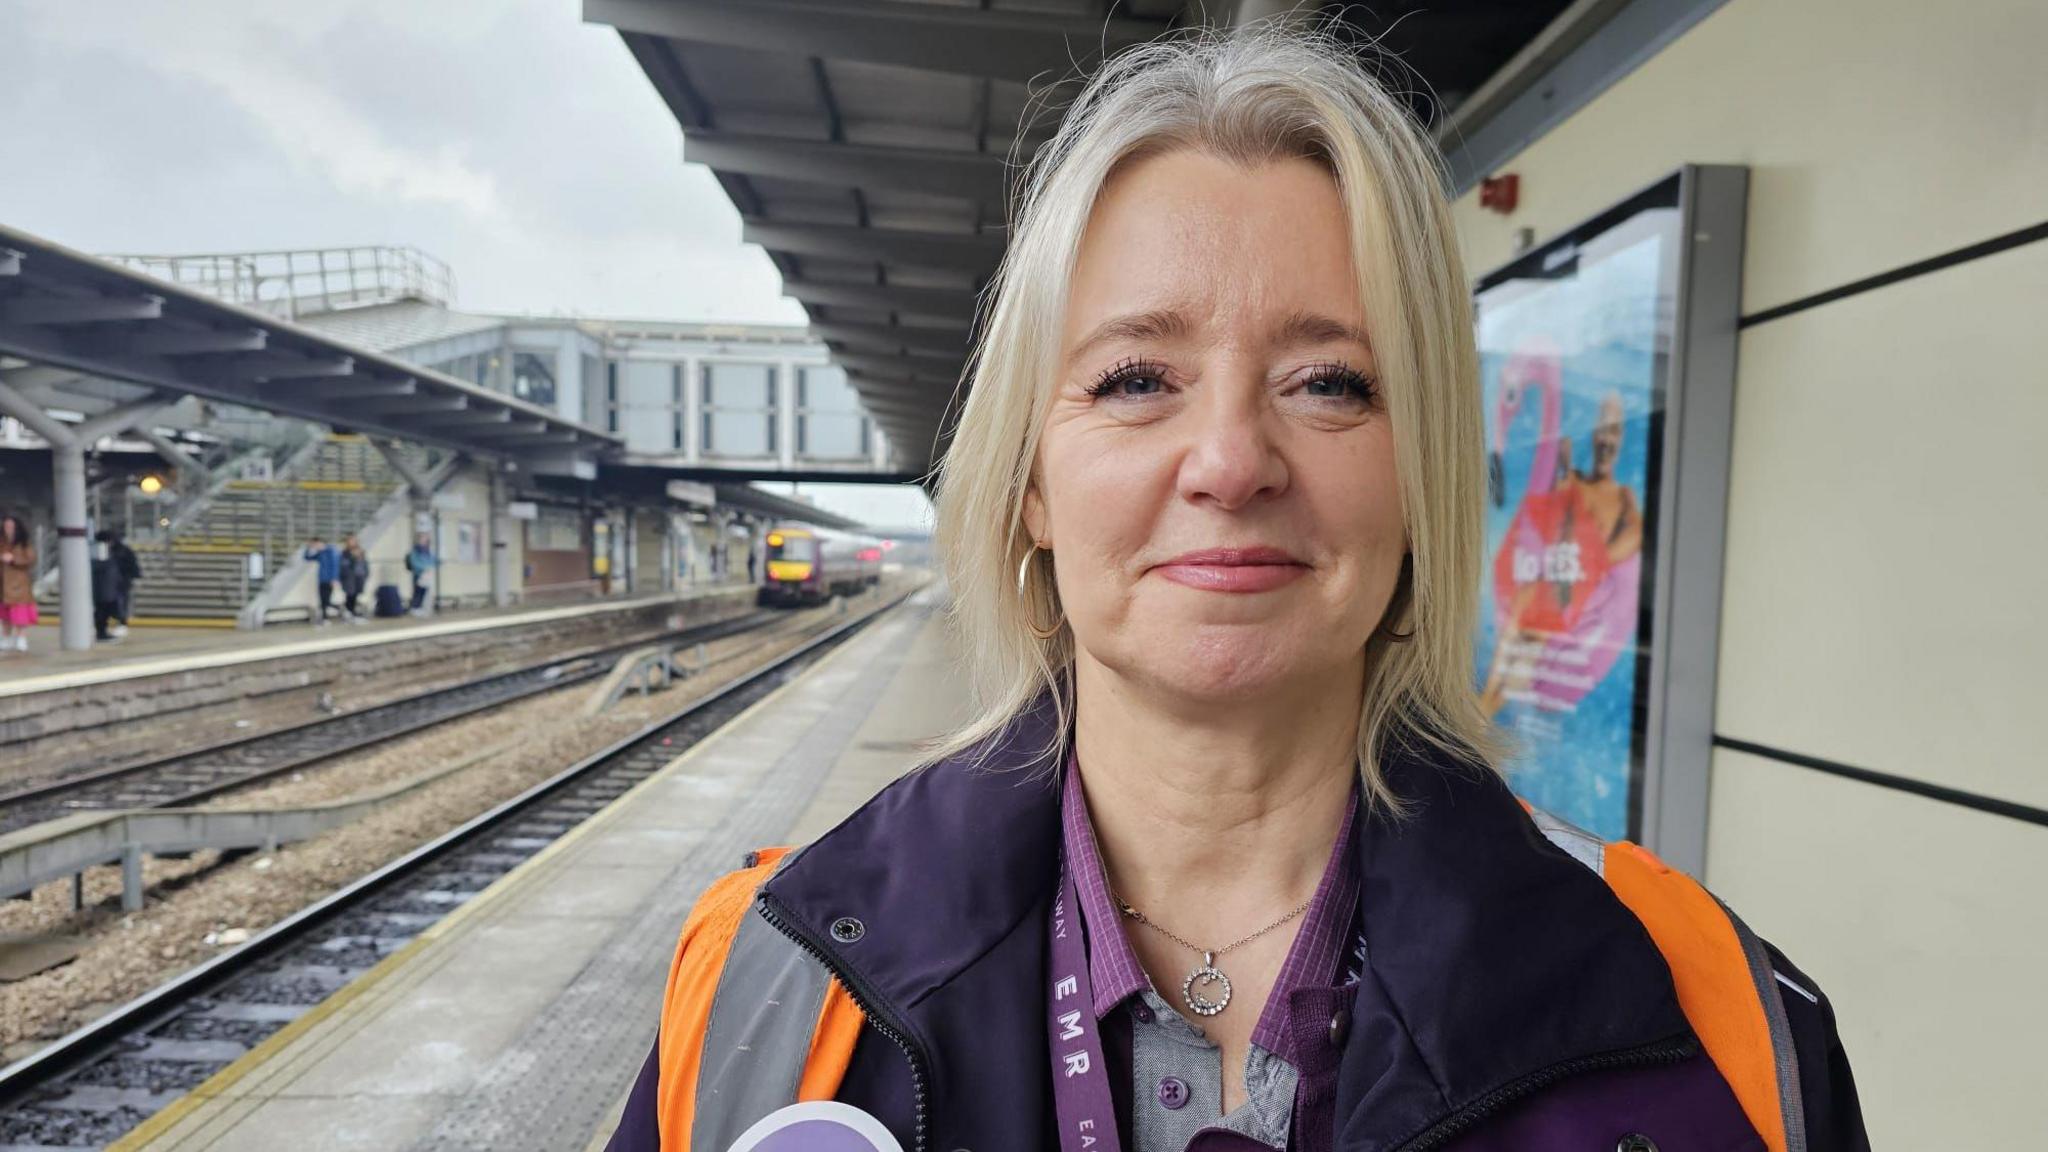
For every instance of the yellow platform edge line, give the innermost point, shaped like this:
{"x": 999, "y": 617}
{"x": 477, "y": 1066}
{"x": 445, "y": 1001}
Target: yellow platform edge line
{"x": 218, "y": 1084}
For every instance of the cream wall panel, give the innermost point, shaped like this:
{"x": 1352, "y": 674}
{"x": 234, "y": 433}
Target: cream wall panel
{"x": 1879, "y": 132}
{"x": 1886, "y": 555}
{"x": 453, "y": 578}
{"x": 1918, "y": 920}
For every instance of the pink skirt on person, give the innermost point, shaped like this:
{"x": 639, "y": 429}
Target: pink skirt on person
{"x": 18, "y": 614}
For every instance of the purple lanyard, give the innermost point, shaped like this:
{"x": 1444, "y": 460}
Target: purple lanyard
{"x": 1080, "y": 1081}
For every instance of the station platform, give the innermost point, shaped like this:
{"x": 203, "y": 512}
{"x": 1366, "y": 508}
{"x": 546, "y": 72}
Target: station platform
{"x": 519, "y": 1022}
{"x": 150, "y": 651}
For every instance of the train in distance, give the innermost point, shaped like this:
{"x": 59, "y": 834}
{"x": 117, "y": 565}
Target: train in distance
{"x": 807, "y": 564}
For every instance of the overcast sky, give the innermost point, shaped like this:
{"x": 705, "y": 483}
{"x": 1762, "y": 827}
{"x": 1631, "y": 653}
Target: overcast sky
{"x": 505, "y": 137}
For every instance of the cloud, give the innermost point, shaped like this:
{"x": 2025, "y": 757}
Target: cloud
{"x": 506, "y": 137}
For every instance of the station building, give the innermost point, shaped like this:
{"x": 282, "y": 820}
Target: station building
{"x": 695, "y": 410}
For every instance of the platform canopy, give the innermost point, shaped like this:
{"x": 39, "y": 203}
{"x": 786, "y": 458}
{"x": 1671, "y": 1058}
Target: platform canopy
{"x": 868, "y": 143}
{"x": 98, "y": 337}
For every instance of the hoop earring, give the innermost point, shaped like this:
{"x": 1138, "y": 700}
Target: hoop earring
{"x": 1023, "y": 575}
{"x": 1404, "y": 592}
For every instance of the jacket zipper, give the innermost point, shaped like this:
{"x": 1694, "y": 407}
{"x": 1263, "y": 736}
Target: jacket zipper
{"x": 864, "y": 999}
{"x": 1648, "y": 1056}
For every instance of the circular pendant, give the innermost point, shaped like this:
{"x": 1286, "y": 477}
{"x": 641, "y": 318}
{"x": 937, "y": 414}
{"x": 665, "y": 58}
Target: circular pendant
{"x": 1207, "y": 989}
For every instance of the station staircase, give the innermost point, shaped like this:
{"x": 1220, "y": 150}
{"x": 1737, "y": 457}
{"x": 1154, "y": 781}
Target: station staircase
{"x": 197, "y": 575}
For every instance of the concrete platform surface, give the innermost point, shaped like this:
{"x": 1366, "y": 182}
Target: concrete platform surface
{"x": 151, "y": 651}
{"x": 519, "y": 1022}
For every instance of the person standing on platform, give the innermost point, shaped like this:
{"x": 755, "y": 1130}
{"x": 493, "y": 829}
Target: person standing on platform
{"x": 128, "y": 570}
{"x": 750, "y": 563}
{"x": 106, "y": 586}
{"x": 1224, "y": 860}
{"x": 327, "y": 570}
{"x": 421, "y": 562}
{"x": 355, "y": 574}
{"x": 17, "y": 584}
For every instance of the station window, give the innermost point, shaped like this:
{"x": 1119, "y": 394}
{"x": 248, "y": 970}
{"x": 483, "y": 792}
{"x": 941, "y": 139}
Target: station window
{"x": 739, "y": 409}
{"x": 829, "y": 421}
{"x": 533, "y": 378}
{"x": 645, "y": 405}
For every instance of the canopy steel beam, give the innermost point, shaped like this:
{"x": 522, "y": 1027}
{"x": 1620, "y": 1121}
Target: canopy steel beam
{"x": 516, "y": 429}
{"x": 886, "y": 383}
{"x": 479, "y": 418}
{"x": 952, "y": 252}
{"x": 941, "y": 302}
{"x": 51, "y": 311}
{"x": 906, "y": 413}
{"x": 177, "y": 456}
{"x": 1020, "y": 46}
{"x": 414, "y": 482}
{"x": 280, "y": 368}
{"x": 369, "y": 388}
{"x": 37, "y": 375}
{"x": 402, "y": 405}
{"x": 915, "y": 368}
{"x": 916, "y": 341}
{"x": 187, "y": 343}
{"x": 892, "y": 374}
{"x": 930, "y": 171}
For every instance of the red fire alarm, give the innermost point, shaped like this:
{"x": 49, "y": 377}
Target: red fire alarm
{"x": 1499, "y": 193}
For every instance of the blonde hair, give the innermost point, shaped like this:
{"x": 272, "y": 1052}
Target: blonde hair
{"x": 1250, "y": 97}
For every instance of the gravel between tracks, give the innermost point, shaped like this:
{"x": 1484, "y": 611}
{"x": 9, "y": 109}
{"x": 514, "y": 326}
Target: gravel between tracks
{"x": 64, "y": 754}
{"x": 125, "y": 955}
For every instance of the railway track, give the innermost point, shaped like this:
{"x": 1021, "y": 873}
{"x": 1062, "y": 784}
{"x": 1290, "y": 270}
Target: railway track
{"x": 96, "y": 1084}
{"x": 192, "y": 776}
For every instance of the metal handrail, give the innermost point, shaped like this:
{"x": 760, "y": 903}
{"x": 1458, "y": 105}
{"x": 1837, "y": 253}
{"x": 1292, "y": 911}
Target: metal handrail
{"x": 296, "y": 282}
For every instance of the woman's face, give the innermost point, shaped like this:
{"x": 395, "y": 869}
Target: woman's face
{"x": 1216, "y": 473}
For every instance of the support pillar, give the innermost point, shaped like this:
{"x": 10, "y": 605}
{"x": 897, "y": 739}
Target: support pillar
{"x": 131, "y": 879}
{"x": 74, "y": 555}
{"x": 502, "y": 528}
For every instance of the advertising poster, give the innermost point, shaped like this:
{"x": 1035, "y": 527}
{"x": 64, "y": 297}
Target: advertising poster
{"x": 1574, "y": 343}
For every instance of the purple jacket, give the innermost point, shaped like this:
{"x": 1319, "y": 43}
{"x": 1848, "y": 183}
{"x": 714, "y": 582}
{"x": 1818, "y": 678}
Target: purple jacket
{"x": 1511, "y": 1003}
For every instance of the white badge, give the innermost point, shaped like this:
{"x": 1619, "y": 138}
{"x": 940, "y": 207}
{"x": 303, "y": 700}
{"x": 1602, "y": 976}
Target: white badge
{"x": 817, "y": 1126}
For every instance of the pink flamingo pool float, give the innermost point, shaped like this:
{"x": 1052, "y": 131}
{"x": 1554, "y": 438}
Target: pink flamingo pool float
{"x": 1582, "y": 614}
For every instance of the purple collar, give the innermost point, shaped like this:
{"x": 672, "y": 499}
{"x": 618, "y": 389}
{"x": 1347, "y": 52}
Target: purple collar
{"x": 1313, "y": 960}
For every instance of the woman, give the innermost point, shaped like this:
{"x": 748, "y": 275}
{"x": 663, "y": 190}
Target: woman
{"x": 1223, "y": 864}
{"x": 17, "y": 585}
{"x": 355, "y": 574}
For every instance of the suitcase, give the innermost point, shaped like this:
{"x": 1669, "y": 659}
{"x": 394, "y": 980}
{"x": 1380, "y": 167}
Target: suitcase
{"x": 389, "y": 602}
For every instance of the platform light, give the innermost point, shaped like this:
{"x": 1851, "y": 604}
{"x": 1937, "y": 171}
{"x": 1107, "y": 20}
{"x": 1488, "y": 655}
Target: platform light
{"x": 151, "y": 484}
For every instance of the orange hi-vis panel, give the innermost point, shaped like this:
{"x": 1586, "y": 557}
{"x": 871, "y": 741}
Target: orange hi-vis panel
{"x": 1717, "y": 986}
{"x": 693, "y": 982}
{"x": 1724, "y": 985}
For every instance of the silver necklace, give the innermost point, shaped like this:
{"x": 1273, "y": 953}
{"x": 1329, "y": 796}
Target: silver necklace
{"x": 1207, "y": 989}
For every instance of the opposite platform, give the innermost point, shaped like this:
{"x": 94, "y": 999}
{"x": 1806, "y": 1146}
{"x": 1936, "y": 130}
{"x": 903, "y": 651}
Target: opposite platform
{"x": 519, "y": 1022}
{"x": 157, "y": 651}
